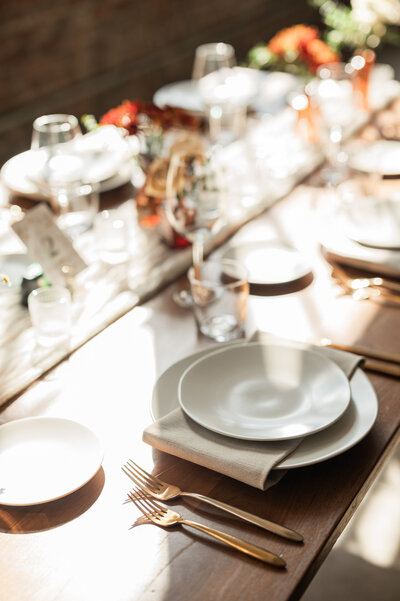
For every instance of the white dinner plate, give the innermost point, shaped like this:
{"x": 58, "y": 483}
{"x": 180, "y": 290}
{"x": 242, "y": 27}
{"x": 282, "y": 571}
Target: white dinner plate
{"x": 15, "y": 175}
{"x": 373, "y": 222}
{"x": 45, "y": 458}
{"x": 270, "y": 263}
{"x": 352, "y": 427}
{"x": 102, "y": 157}
{"x": 382, "y": 157}
{"x": 262, "y": 391}
{"x": 273, "y": 90}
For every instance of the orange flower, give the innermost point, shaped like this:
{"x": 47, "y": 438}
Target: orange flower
{"x": 124, "y": 115}
{"x": 134, "y": 114}
{"x": 292, "y": 39}
{"x": 317, "y": 53}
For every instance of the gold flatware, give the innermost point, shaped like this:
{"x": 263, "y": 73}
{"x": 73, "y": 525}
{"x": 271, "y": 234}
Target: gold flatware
{"x": 375, "y": 360}
{"x": 362, "y": 350}
{"x": 162, "y": 516}
{"x": 164, "y": 492}
{"x": 375, "y": 288}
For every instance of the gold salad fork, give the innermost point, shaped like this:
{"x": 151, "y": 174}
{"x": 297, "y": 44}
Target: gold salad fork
{"x": 164, "y": 492}
{"x": 166, "y": 517}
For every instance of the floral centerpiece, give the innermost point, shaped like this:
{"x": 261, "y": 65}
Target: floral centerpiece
{"x": 298, "y": 50}
{"x": 153, "y": 126}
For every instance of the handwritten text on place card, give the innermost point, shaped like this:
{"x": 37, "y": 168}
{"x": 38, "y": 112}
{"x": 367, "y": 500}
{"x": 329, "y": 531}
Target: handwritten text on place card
{"x": 48, "y": 245}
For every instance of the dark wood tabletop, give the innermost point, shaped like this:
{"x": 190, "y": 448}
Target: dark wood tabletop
{"x": 83, "y": 546}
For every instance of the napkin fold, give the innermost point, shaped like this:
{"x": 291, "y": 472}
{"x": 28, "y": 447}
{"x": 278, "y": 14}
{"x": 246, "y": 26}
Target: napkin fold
{"x": 251, "y": 462}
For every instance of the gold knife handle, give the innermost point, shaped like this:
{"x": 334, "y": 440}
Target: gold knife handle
{"x": 249, "y": 517}
{"x": 239, "y": 544}
{"x": 382, "y": 367}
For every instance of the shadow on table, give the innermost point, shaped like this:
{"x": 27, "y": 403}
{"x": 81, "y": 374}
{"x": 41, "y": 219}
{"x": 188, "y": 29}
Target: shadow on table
{"x": 37, "y": 518}
{"x": 347, "y": 576}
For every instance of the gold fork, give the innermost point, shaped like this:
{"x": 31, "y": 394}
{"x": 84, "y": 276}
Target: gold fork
{"x": 164, "y": 492}
{"x": 166, "y": 517}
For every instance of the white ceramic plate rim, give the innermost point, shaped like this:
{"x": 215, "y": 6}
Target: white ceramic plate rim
{"x": 26, "y": 188}
{"x": 324, "y": 445}
{"x": 240, "y": 251}
{"x": 374, "y": 158}
{"x": 314, "y": 418}
{"x": 194, "y": 104}
{"x": 356, "y": 233}
{"x": 81, "y": 436}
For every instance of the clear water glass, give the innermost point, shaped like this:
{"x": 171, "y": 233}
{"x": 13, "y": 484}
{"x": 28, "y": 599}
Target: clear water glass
{"x": 50, "y": 130}
{"x": 113, "y": 235}
{"x": 337, "y": 104}
{"x": 211, "y": 57}
{"x": 76, "y": 205}
{"x": 50, "y": 312}
{"x": 194, "y": 198}
{"x": 219, "y": 290}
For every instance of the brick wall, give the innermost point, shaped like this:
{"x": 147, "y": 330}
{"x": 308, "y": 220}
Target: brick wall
{"x": 80, "y": 56}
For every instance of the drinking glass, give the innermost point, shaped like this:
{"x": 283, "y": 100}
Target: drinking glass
{"x": 50, "y": 312}
{"x": 219, "y": 290}
{"x": 50, "y": 130}
{"x": 194, "y": 194}
{"x": 337, "y": 104}
{"x": 211, "y": 57}
{"x": 76, "y": 204}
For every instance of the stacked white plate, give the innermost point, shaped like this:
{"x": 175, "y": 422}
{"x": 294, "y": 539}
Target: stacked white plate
{"x": 100, "y": 157}
{"x": 271, "y": 392}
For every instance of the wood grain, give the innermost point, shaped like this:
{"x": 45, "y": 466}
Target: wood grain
{"x": 83, "y": 546}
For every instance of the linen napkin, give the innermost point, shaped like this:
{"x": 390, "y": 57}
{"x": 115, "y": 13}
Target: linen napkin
{"x": 251, "y": 462}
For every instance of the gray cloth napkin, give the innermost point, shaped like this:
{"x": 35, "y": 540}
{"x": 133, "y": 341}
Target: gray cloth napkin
{"x": 251, "y": 462}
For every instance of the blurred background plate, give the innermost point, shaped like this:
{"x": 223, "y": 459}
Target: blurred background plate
{"x": 273, "y": 90}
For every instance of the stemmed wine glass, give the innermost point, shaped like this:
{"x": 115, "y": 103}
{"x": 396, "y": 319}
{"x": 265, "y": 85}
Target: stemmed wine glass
{"x": 194, "y": 194}
{"x": 211, "y": 57}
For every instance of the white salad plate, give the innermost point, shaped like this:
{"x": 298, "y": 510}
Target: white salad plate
{"x": 45, "y": 458}
{"x": 270, "y": 263}
{"x": 259, "y": 391}
{"x": 381, "y": 157}
{"x": 373, "y": 222}
{"x": 344, "y": 434}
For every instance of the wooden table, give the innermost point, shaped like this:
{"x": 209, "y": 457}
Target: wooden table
{"x": 83, "y": 547}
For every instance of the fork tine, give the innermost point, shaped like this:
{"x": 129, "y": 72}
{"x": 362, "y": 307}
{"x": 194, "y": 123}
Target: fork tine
{"x": 151, "y": 503}
{"x": 139, "y": 482}
{"x": 138, "y": 497}
{"x": 140, "y": 471}
{"x": 139, "y": 505}
{"x": 142, "y": 480}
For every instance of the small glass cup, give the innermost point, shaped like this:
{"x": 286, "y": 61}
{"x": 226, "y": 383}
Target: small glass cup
{"x": 211, "y": 57}
{"x": 113, "y": 235}
{"x": 50, "y": 311}
{"x": 76, "y": 205}
{"x": 219, "y": 290}
{"x": 50, "y": 130}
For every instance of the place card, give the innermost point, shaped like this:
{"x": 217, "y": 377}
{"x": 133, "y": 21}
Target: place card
{"x": 48, "y": 245}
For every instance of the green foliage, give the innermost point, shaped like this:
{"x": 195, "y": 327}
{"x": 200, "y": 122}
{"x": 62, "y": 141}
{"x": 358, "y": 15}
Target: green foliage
{"x": 344, "y": 31}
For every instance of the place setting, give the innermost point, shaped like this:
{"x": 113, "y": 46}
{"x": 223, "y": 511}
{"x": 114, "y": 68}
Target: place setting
{"x": 251, "y": 411}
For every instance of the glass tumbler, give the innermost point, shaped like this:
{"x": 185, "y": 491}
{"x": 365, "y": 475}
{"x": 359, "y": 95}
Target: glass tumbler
{"x": 211, "y": 57}
{"x": 50, "y": 312}
{"x": 219, "y": 291}
{"x": 50, "y": 130}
